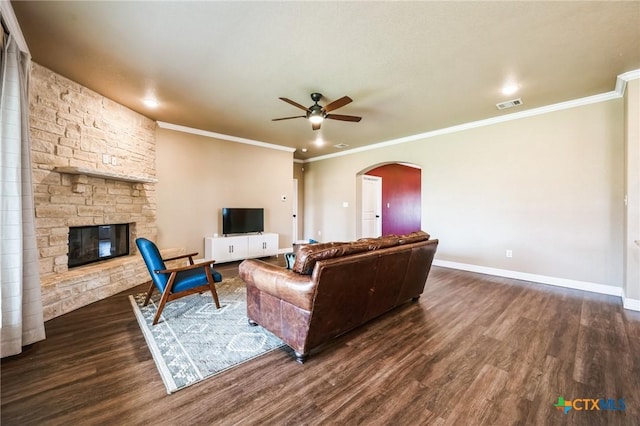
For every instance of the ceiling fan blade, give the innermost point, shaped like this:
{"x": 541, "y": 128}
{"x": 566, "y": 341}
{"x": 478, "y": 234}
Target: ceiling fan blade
{"x": 338, "y": 103}
{"x": 343, "y": 117}
{"x": 289, "y": 118}
{"x": 315, "y": 126}
{"x": 295, "y": 104}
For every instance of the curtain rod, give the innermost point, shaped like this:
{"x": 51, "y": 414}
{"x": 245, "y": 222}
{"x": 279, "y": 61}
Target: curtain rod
{"x": 12, "y": 26}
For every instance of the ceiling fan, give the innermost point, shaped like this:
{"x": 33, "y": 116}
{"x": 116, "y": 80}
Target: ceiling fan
{"x": 316, "y": 113}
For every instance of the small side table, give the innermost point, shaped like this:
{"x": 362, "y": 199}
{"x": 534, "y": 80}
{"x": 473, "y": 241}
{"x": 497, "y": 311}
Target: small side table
{"x": 289, "y": 258}
{"x": 297, "y": 246}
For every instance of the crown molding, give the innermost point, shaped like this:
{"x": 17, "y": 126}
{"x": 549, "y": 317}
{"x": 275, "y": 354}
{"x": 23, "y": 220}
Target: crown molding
{"x": 617, "y": 93}
{"x": 214, "y": 135}
{"x": 623, "y": 79}
{"x": 14, "y": 27}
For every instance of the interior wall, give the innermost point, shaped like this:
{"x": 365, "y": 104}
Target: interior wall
{"x": 632, "y": 222}
{"x": 548, "y": 187}
{"x": 298, "y": 173}
{"x": 198, "y": 176}
{"x": 401, "y": 206}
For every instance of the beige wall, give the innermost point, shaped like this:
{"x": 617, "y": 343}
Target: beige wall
{"x": 548, "y": 187}
{"x": 632, "y": 143}
{"x": 198, "y": 176}
{"x": 298, "y": 173}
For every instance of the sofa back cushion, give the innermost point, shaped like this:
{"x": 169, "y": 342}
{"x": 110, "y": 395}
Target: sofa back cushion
{"x": 381, "y": 242}
{"x": 414, "y": 237}
{"x": 308, "y": 255}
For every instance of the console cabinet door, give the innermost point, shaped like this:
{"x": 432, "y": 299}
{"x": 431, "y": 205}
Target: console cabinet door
{"x": 271, "y": 244}
{"x": 237, "y": 247}
{"x": 226, "y": 249}
{"x": 263, "y": 245}
{"x": 256, "y": 246}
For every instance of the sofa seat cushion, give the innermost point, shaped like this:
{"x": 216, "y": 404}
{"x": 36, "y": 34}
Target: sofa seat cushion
{"x": 308, "y": 255}
{"x": 193, "y": 278}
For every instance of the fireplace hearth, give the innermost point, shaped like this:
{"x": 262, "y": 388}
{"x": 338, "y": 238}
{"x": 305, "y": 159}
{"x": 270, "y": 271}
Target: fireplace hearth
{"x": 89, "y": 244}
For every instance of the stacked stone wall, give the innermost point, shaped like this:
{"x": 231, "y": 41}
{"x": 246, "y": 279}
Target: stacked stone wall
{"x": 74, "y": 127}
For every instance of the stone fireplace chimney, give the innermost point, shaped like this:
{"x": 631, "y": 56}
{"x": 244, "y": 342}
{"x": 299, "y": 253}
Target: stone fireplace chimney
{"x": 93, "y": 164}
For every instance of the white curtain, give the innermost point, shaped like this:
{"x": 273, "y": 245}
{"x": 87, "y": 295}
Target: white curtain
{"x": 21, "y": 319}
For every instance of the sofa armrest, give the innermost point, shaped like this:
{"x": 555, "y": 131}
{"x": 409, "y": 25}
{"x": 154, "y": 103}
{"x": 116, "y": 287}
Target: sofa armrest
{"x": 279, "y": 282}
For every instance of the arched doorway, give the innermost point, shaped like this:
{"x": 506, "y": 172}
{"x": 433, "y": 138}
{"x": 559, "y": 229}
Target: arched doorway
{"x": 401, "y": 198}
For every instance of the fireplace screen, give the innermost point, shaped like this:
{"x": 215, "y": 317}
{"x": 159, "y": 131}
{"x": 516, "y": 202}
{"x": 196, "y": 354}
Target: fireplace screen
{"x": 89, "y": 244}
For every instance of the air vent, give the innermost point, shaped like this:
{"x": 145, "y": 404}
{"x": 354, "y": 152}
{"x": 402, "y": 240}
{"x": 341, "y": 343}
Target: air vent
{"x": 510, "y": 104}
{"x": 341, "y": 145}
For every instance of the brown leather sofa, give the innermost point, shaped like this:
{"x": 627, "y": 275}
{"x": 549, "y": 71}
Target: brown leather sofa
{"x": 335, "y": 287}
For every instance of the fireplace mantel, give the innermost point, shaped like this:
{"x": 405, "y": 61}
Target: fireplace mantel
{"x": 104, "y": 174}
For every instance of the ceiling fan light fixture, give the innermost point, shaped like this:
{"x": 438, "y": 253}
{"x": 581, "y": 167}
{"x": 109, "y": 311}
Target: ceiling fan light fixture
{"x": 315, "y": 115}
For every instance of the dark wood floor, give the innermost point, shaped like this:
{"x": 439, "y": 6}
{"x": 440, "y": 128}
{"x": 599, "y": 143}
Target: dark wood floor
{"x": 475, "y": 349}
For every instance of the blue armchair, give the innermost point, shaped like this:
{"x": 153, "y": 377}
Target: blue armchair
{"x": 176, "y": 282}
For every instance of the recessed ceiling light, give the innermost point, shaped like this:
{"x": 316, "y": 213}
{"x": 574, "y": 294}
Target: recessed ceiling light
{"x": 304, "y": 149}
{"x": 151, "y": 103}
{"x": 510, "y": 88}
{"x": 319, "y": 142}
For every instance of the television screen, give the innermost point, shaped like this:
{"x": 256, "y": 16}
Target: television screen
{"x": 241, "y": 221}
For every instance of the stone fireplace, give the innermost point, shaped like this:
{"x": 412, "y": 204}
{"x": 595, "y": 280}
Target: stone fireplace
{"x": 93, "y": 164}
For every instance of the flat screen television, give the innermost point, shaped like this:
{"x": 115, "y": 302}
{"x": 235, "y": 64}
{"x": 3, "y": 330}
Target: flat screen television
{"x": 242, "y": 221}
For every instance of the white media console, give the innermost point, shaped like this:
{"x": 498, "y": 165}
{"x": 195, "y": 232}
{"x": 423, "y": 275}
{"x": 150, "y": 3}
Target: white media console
{"x": 238, "y": 247}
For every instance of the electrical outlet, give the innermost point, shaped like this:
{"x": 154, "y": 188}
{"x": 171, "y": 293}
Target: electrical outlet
{"x": 114, "y": 161}
{"x": 509, "y": 253}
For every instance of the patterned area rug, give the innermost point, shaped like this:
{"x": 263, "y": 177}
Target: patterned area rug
{"x": 193, "y": 340}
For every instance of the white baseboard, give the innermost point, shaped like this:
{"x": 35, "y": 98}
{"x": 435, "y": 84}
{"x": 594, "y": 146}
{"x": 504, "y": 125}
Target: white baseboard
{"x": 631, "y": 304}
{"x": 542, "y": 279}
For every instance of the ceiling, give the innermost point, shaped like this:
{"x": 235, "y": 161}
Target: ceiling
{"x": 410, "y": 67}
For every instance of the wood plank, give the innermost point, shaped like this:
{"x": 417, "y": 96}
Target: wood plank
{"x": 474, "y": 349}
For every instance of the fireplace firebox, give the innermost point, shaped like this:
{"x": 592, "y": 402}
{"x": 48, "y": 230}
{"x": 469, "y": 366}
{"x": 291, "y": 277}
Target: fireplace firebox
{"x": 88, "y": 244}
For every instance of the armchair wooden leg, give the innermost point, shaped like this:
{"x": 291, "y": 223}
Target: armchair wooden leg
{"x": 163, "y": 301}
{"x": 149, "y": 293}
{"x": 212, "y": 287}
{"x": 165, "y": 297}
{"x": 214, "y": 293}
